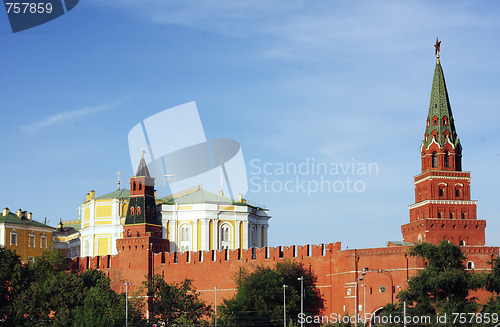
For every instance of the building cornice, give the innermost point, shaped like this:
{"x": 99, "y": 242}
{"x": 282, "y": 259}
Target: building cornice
{"x": 419, "y": 204}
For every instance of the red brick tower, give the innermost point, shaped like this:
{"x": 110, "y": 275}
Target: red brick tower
{"x": 443, "y": 208}
{"x": 142, "y": 232}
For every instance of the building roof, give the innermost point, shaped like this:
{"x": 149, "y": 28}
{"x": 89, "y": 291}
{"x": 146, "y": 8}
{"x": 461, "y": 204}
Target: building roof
{"x": 118, "y": 194}
{"x": 66, "y": 230}
{"x": 440, "y": 107}
{"x": 142, "y": 169}
{"x": 199, "y": 196}
{"x": 12, "y": 218}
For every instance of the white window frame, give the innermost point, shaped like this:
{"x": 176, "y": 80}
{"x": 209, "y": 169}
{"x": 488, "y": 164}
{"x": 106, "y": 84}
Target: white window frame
{"x": 225, "y": 233}
{"x": 31, "y": 235}
{"x": 43, "y": 241}
{"x": 13, "y": 233}
{"x": 185, "y": 237}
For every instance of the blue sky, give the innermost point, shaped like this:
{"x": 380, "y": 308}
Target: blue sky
{"x": 330, "y": 81}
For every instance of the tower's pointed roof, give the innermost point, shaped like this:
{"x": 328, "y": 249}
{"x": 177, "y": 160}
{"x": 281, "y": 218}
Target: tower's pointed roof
{"x": 440, "y": 117}
{"x": 142, "y": 169}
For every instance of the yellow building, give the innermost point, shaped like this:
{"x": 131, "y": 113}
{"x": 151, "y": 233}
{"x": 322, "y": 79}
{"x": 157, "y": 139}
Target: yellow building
{"x": 196, "y": 220}
{"x": 102, "y": 221}
{"x": 66, "y": 238}
{"x": 20, "y": 233}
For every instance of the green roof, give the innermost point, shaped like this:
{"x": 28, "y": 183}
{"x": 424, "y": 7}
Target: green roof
{"x": 15, "y": 219}
{"x": 200, "y": 196}
{"x": 118, "y": 194}
{"x": 440, "y": 108}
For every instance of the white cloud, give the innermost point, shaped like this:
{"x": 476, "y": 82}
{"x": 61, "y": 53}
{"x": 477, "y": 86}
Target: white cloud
{"x": 65, "y": 116}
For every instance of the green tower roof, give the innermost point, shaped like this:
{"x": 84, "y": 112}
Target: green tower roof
{"x": 440, "y": 117}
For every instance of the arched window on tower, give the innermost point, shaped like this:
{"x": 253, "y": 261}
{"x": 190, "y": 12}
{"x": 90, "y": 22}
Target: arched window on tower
{"x": 140, "y": 186}
{"x": 439, "y": 214}
{"x": 441, "y": 191}
{"x": 447, "y": 159}
{"x": 434, "y": 159}
{"x": 134, "y": 186}
{"x": 138, "y": 211}
{"x": 132, "y": 211}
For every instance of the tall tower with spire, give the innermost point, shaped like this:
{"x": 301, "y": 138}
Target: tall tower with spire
{"x": 142, "y": 220}
{"x": 443, "y": 208}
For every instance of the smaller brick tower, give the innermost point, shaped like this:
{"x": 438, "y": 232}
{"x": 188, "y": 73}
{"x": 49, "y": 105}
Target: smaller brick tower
{"x": 443, "y": 208}
{"x": 142, "y": 232}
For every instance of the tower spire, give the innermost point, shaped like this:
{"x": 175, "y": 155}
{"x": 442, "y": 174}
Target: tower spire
{"x": 441, "y": 147}
{"x": 437, "y": 48}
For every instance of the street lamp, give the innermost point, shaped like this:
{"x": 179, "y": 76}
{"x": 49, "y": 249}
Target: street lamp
{"x": 301, "y": 278}
{"x": 392, "y": 283}
{"x": 126, "y": 303}
{"x": 215, "y": 303}
{"x": 284, "y": 305}
{"x": 364, "y": 301}
{"x": 356, "y": 309}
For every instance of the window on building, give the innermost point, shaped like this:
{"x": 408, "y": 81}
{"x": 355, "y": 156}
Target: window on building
{"x": 138, "y": 211}
{"x": 445, "y": 121}
{"x": 470, "y": 265}
{"x": 462, "y": 243}
{"x": 463, "y": 215}
{"x": 447, "y": 159}
{"x": 13, "y": 237}
{"x": 457, "y": 192}
{"x": 140, "y": 186}
{"x": 439, "y": 214}
{"x": 225, "y": 233}
{"x": 451, "y": 215}
{"x": 134, "y": 186}
{"x": 185, "y": 237}
{"x": 43, "y": 241}
{"x": 31, "y": 259}
{"x": 132, "y": 211}
{"x": 434, "y": 159}
{"x": 441, "y": 191}
{"x": 348, "y": 292}
{"x": 31, "y": 240}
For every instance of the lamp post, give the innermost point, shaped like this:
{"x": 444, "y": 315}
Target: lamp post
{"x": 215, "y": 304}
{"x": 126, "y": 303}
{"x": 364, "y": 302}
{"x": 392, "y": 283}
{"x": 356, "y": 309}
{"x": 284, "y": 305}
{"x": 301, "y": 278}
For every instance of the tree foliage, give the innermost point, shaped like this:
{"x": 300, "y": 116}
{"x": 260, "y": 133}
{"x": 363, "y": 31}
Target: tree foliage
{"x": 259, "y": 297}
{"x": 442, "y": 288}
{"x": 49, "y": 293}
{"x": 176, "y": 303}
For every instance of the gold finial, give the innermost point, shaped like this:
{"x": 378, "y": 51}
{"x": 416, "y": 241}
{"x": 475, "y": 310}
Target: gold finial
{"x": 118, "y": 173}
{"x": 437, "y": 48}
{"x": 143, "y": 153}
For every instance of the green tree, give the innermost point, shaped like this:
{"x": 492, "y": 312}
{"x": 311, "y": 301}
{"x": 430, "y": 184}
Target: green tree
{"x": 259, "y": 297}
{"x": 14, "y": 280}
{"x": 443, "y": 287}
{"x": 176, "y": 303}
{"x": 102, "y": 306}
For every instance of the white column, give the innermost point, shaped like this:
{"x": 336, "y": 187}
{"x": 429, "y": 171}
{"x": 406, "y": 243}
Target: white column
{"x": 205, "y": 234}
{"x": 215, "y": 232}
{"x": 195, "y": 246}
{"x": 258, "y": 238}
{"x": 237, "y": 234}
{"x": 246, "y": 236}
{"x": 264, "y": 241}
